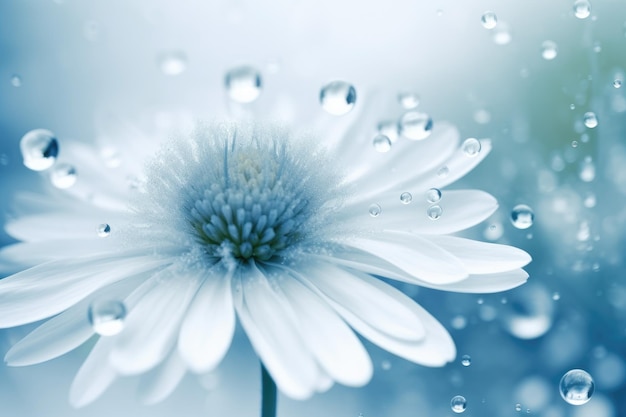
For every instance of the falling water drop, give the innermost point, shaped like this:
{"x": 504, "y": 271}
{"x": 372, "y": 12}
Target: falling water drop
{"x": 458, "y": 404}
{"x": 522, "y": 216}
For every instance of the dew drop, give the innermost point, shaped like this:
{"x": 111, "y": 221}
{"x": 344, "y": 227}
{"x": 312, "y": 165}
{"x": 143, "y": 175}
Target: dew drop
{"x": 443, "y": 171}
{"x": 489, "y": 20}
{"x": 389, "y": 128}
{"x": 458, "y": 404}
{"x": 107, "y": 317}
{"x": 582, "y": 9}
{"x": 576, "y": 387}
{"x": 39, "y": 149}
{"x": 16, "y": 80}
{"x": 375, "y": 210}
{"x": 433, "y": 195}
{"x": 522, "y": 216}
{"x": 590, "y": 119}
{"x": 338, "y": 97}
{"x": 549, "y": 50}
{"x": 104, "y": 230}
{"x": 466, "y": 360}
{"x": 63, "y": 176}
{"x": 502, "y": 34}
{"x": 408, "y": 100}
{"x": 172, "y": 62}
{"x": 518, "y": 407}
{"x": 434, "y": 212}
{"x": 406, "y": 198}
{"x": 617, "y": 83}
{"x": 243, "y": 84}
{"x": 416, "y": 125}
{"x": 471, "y": 147}
{"x": 381, "y": 143}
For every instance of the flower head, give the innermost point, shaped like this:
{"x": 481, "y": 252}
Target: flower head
{"x": 254, "y": 222}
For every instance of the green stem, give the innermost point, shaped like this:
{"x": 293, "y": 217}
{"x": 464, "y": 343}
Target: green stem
{"x": 268, "y": 392}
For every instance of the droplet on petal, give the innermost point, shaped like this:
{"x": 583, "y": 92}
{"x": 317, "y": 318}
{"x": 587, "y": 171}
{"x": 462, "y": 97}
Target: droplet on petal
{"x": 576, "y": 387}
{"x": 408, "y": 100}
{"x": 434, "y": 212}
{"x": 458, "y": 404}
{"x": 522, "y": 216}
{"x": 338, "y": 97}
{"x": 107, "y": 317}
{"x": 489, "y": 20}
{"x": 381, "y": 143}
{"x": 433, "y": 195}
{"x": 172, "y": 62}
{"x": 104, "y": 230}
{"x": 63, "y": 176}
{"x": 416, "y": 125}
{"x": 375, "y": 210}
{"x": 406, "y": 198}
{"x": 40, "y": 149}
{"x": 471, "y": 147}
{"x": 243, "y": 84}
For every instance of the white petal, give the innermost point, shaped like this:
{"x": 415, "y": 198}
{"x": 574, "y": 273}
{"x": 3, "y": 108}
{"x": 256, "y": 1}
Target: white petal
{"x": 94, "y": 376}
{"x": 32, "y": 253}
{"x": 209, "y": 325}
{"x": 488, "y": 283}
{"x": 152, "y": 326}
{"x": 270, "y": 326}
{"x": 159, "y": 383}
{"x": 480, "y": 257}
{"x": 414, "y": 255}
{"x": 381, "y": 310}
{"x": 48, "y": 289}
{"x": 335, "y": 346}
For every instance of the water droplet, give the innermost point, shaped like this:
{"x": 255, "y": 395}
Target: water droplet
{"x": 16, "y": 80}
{"x": 386, "y": 365}
{"x": 416, "y": 125}
{"x": 576, "y": 387}
{"x": 502, "y": 34}
{"x": 529, "y": 313}
{"x": 338, "y": 97}
{"x": 63, "y": 176}
{"x": 381, "y": 143}
{"x": 408, "y": 100}
{"x": 434, "y": 212}
{"x": 466, "y": 360}
{"x": 587, "y": 170}
{"x": 172, "y": 62}
{"x": 572, "y": 106}
{"x": 107, "y": 317}
{"x": 617, "y": 83}
{"x": 493, "y": 232}
{"x": 590, "y": 119}
{"x": 243, "y": 84}
{"x": 458, "y": 404}
{"x": 522, "y": 216}
{"x": 556, "y": 296}
{"x": 549, "y": 50}
{"x": 489, "y": 20}
{"x": 375, "y": 210}
{"x": 574, "y": 144}
{"x": 389, "y": 128}
{"x": 433, "y": 195}
{"x": 104, "y": 230}
{"x": 518, "y": 407}
{"x": 443, "y": 171}
{"x": 471, "y": 147}
{"x": 39, "y": 149}
{"x": 406, "y": 198}
{"x": 582, "y": 9}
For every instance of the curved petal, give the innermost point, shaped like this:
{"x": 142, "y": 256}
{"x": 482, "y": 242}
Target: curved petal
{"x": 159, "y": 383}
{"x": 209, "y": 325}
{"x": 94, "y": 376}
{"x": 33, "y": 253}
{"x": 488, "y": 283}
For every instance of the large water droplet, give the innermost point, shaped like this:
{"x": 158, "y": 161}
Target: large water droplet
{"x": 582, "y": 9}
{"x": 434, "y": 212}
{"x": 433, "y": 195}
{"x": 375, "y": 210}
{"x": 549, "y": 50}
{"x": 63, "y": 176}
{"x": 458, "y": 404}
{"x": 107, "y": 317}
{"x": 16, "y": 80}
{"x": 471, "y": 147}
{"x": 172, "y": 62}
{"x": 408, "y": 100}
{"x": 243, "y": 84}
{"x": 39, "y": 149}
{"x": 522, "y": 216}
{"x": 576, "y": 387}
{"x": 590, "y": 119}
{"x": 489, "y": 20}
{"x": 416, "y": 125}
{"x": 338, "y": 97}
{"x": 104, "y": 230}
{"x": 406, "y": 198}
{"x": 381, "y": 143}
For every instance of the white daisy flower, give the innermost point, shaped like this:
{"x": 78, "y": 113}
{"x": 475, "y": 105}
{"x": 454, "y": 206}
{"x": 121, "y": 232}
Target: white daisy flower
{"x": 284, "y": 232}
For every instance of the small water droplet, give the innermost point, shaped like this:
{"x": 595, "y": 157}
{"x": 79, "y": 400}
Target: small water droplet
{"x": 617, "y": 83}
{"x": 386, "y": 365}
{"x": 574, "y": 144}
{"x": 587, "y": 170}
{"x": 489, "y": 20}
{"x": 243, "y": 84}
{"x": 16, "y": 80}
{"x": 39, "y": 149}
{"x": 502, "y": 34}
{"x": 582, "y": 9}
{"x": 466, "y": 360}
{"x": 389, "y": 128}
{"x": 172, "y": 62}
{"x": 556, "y": 296}
{"x": 63, "y": 176}
{"x": 338, "y": 97}
{"x": 434, "y": 212}
{"x": 104, "y": 230}
{"x": 471, "y": 147}
{"x": 590, "y": 119}
{"x": 518, "y": 407}
{"x": 458, "y": 404}
{"x": 549, "y": 50}
{"x": 522, "y": 216}
{"x": 408, "y": 100}
{"x": 576, "y": 387}
{"x": 572, "y": 106}
{"x": 406, "y": 198}
{"x": 433, "y": 195}
{"x": 375, "y": 210}
{"x": 443, "y": 171}
{"x": 107, "y": 317}
{"x": 381, "y": 143}
{"x": 416, "y": 125}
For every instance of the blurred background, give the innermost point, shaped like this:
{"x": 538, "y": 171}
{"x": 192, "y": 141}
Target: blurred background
{"x": 544, "y": 84}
